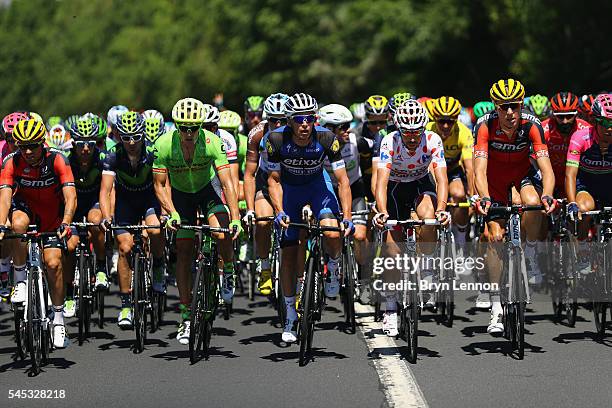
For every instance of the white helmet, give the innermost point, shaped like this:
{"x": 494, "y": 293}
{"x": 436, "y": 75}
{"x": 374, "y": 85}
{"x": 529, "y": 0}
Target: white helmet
{"x": 274, "y": 106}
{"x": 114, "y": 113}
{"x": 300, "y": 103}
{"x": 212, "y": 114}
{"x": 152, "y": 114}
{"x": 411, "y": 115}
{"x": 334, "y": 114}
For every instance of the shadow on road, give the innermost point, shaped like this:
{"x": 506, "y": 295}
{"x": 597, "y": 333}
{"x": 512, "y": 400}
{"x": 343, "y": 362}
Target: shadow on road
{"x": 294, "y": 355}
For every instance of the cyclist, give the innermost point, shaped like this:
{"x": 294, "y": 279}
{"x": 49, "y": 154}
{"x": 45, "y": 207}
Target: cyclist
{"x": 154, "y": 125}
{"x": 368, "y": 135}
{"x": 86, "y": 165}
{"x": 230, "y": 122}
{"x": 253, "y": 112}
{"x": 585, "y": 108}
{"x": 589, "y": 171}
{"x": 128, "y": 166}
{"x": 539, "y": 105}
{"x": 458, "y": 143}
{"x": 337, "y": 119}
{"x": 256, "y": 185}
{"x": 192, "y": 159}
{"x": 54, "y": 120}
{"x": 557, "y": 132}
{"x": 404, "y": 186}
{"x": 59, "y": 139}
{"x": 296, "y": 178}
{"x": 504, "y": 138}
{"x": 44, "y": 194}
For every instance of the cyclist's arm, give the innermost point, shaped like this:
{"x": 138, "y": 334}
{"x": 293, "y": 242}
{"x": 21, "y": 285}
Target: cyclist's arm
{"x": 439, "y": 168}
{"x": 468, "y": 166}
{"x": 106, "y": 187}
{"x": 70, "y": 203}
{"x": 235, "y": 174}
{"x": 276, "y": 190}
{"x": 162, "y": 192}
{"x": 6, "y": 190}
{"x": 481, "y": 158}
{"x": 540, "y": 149}
{"x": 64, "y": 173}
{"x": 571, "y": 172}
{"x": 249, "y": 184}
{"x": 571, "y": 167}
{"x": 344, "y": 192}
{"x": 231, "y": 198}
{"x": 381, "y": 189}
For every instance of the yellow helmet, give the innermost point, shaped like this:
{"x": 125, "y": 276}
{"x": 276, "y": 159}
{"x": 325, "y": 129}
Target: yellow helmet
{"x": 29, "y": 131}
{"x": 189, "y": 111}
{"x": 376, "y": 105}
{"x": 446, "y": 107}
{"x": 429, "y": 107}
{"x": 507, "y": 90}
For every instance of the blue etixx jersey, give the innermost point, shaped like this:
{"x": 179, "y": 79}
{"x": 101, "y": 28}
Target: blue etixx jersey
{"x": 301, "y": 165}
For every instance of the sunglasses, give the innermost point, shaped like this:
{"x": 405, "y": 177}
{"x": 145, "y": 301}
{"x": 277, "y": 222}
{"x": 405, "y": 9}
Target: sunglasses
{"x": 605, "y": 122}
{"x": 82, "y": 143}
{"x": 252, "y": 115}
{"x": 512, "y": 106}
{"x": 31, "y": 146}
{"x": 405, "y": 132}
{"x": 377, "y": 122}
{"x": 303, "y": 118}
{"x": 449, "y": 122}
{"x": 130, "y": 138}
{"x": 565, "y": 115}
{"x": 343, "y": 127}
{"x": 276, "y": 121}
{"x": 189, "y": 129}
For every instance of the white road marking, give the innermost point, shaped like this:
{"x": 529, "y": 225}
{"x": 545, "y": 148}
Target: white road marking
{"x": 400, "y": 386}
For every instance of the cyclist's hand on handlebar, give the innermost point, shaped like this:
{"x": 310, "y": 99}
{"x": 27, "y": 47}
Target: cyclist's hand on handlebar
{"x": 249, "y": 218}
{"x": 483, "y": 205}
{"x": 380, "y": 219}
{"x": 174, "y": 221}
{"x": 236, "y": 228}
{"x": 64, "y": 231}
{"x": 573, "y": 211}
{"x": 474, "y": 199}
{"x": 549, "y": 203}
{"x": 443, "y": 217}
{"x": 105, "y": 224}
{"x": 281, "y": 220}
{"x": 349, "y": 227}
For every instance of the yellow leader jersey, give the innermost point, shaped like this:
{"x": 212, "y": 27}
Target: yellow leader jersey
{"x": 457, "y": 146}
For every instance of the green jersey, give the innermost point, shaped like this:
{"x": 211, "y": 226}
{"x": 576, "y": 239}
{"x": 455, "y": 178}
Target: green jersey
{"x": 208, "y": 158}
{"x": 242, "y": 151}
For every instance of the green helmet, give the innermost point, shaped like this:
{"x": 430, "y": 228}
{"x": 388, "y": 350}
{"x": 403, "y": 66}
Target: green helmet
{"x": 540, "y": 106}
{"x": 154, "y": 128}
{"x": 254, "y": 103}
{"x": 102, "y": 127}
{"x": 229, "y": 120}
{"x": 70, "y": 120}
{"x": 130, "y": 123}
{"x": 84, "y": 128}
{"x": 358, "y": 110}
{"x": 53, "y": 120}
{"x": 398, "y": 99}
{"x": 482, "y": 108}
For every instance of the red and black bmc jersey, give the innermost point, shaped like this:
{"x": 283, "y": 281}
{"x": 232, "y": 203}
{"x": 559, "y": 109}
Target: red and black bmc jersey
{"x": 39, "y": 188}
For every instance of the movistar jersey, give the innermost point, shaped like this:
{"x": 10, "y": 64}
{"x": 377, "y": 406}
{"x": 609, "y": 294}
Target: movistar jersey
{"x": 128, "y": 178}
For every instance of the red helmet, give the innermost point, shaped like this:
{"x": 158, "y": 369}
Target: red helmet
{"x": 586, "y": 104}
{"x": 602, "y": 107}
{"x": 564, "y": 102}
{"x": 10, "y": 120}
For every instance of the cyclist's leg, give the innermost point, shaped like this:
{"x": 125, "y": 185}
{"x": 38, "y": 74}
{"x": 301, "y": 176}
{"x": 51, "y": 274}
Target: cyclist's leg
{"x": 585, "y": 198}
{"x": 360, "y": 221}
{"x": 52, "y": 255}
{"x": 20, "y": 219}
{"x": 96, "y": 236}
{"x": 157, "y": 241}
{"x": 456, "y": 192}
{"x": 535, "y": 225}
{"x": 218, "y": 217}
{"x": 68, "y": 268}
{"x": 126, "y": 213}
{"x": 263, "y": 232}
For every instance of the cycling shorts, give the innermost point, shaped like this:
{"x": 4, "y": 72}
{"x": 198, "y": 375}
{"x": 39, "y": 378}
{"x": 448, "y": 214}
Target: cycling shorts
{"x": 597, "y": 187}
{"x": 131, "y": 208}
{"x": 207, "y": 200}
{"x": 457, "y": 174}
{"x": 85, "y": 202}
{"x": 358, "y": 203}
{"x": 319, "y": 193}
{"x": 402, "y": 198}
{"x": 499, "y": 185}
{"x": 261, "y": 184}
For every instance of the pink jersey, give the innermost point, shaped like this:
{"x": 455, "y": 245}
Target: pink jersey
{"x": 584, "y": 152}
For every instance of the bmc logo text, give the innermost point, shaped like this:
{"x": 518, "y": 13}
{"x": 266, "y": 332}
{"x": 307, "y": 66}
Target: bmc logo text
{"x": 37, "y": 183}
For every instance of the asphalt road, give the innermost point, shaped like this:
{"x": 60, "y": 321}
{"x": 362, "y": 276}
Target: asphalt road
{"x": 461, "y": 366}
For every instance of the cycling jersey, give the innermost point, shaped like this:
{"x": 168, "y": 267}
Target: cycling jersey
{"x": 457, "y": 146}
{"x": 300, "y": 165}
{"x": 229, "y": 144}
{"x": 87, "y": 182}
{"x": 39, "y": 188}
{"x": 242, "y": 152}
{"x": 350, "y": 155}
{"x": 557, "y": 148}
{"x": 208, "y": 157}
{"x": 257, "y": 147}
{"x": 508, "y": 158}
{"x": 405, "y": 166}
{"x": 127, "y": 178}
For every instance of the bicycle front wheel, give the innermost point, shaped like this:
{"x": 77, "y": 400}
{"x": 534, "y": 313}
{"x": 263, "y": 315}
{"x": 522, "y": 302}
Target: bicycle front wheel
{"x": 307, "y": 321}
{"x": 34, "y": 326}
{"x": 140, "y": 315}
{"x": 348, "y": 298}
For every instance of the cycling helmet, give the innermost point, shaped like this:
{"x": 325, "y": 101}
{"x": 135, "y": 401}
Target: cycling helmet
{"x": 539, "y": 105}
{"x": 507, "y": 90}
{"x": 154, "y": 128}
{"x": 152, "y": 113}
{"x": 29, "y": 131}
{"x": 189, "y": 111}
{"x": 53, "y": 120}
{"x": 429, "y": 106}
{"x": 411, "y": 116}
{"x": 10, "y": 121}
{"x": 70, "y": 120}
{"x": 300, "y": 103}
{"x": 335, "y": 114}
{"x": 274, "y": 106}
{"x": 114, "y": 113}
{"x": 564, "y": 102}
{"x": 34, "y": 115}
{"x": 102, "y": 127}
{"x": 229, "y": 120}
{"x": 586, "y": 105}
{"x": 398, "y": 99}
{"x": 482, "y": 108}
{"x": 446, "y": 107}
{"x": 84, "y": 128}
{"x": 212, "y": 114}
{"x": 602, "y": 106}
{"x": 358, "y": 110}
{"x": 376, "y": 105}
{"x": 254, "y": 103}
{"x": 130, "y": 123}
{"x": 57, "y": 136}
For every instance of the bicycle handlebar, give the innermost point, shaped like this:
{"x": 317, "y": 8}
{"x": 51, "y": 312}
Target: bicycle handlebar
{"x": 413, "y": 223}
{"x": 204, "y": 228}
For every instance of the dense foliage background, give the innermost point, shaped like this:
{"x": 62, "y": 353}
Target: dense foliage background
{"x": 75, "y": 56}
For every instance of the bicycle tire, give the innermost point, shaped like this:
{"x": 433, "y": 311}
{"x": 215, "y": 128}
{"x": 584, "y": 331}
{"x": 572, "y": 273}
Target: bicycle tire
{"x": 251, "y": 269}
{"x": 520, "y": 306}
{"x": 45, "y": 332}
{"x": 21, "y": 336}
{"x": 139, "y": 307}
{"x": 83, "y": 303}
{"x": 307, "y": 320}
{"x": 599, "y": 315}
{"x": 349, "y": 290}
{"x": 411, "y": 325}
{"x": 100, "y": 294}
{"x": 33, "y": 323}
{"x": 197, "y": 321}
